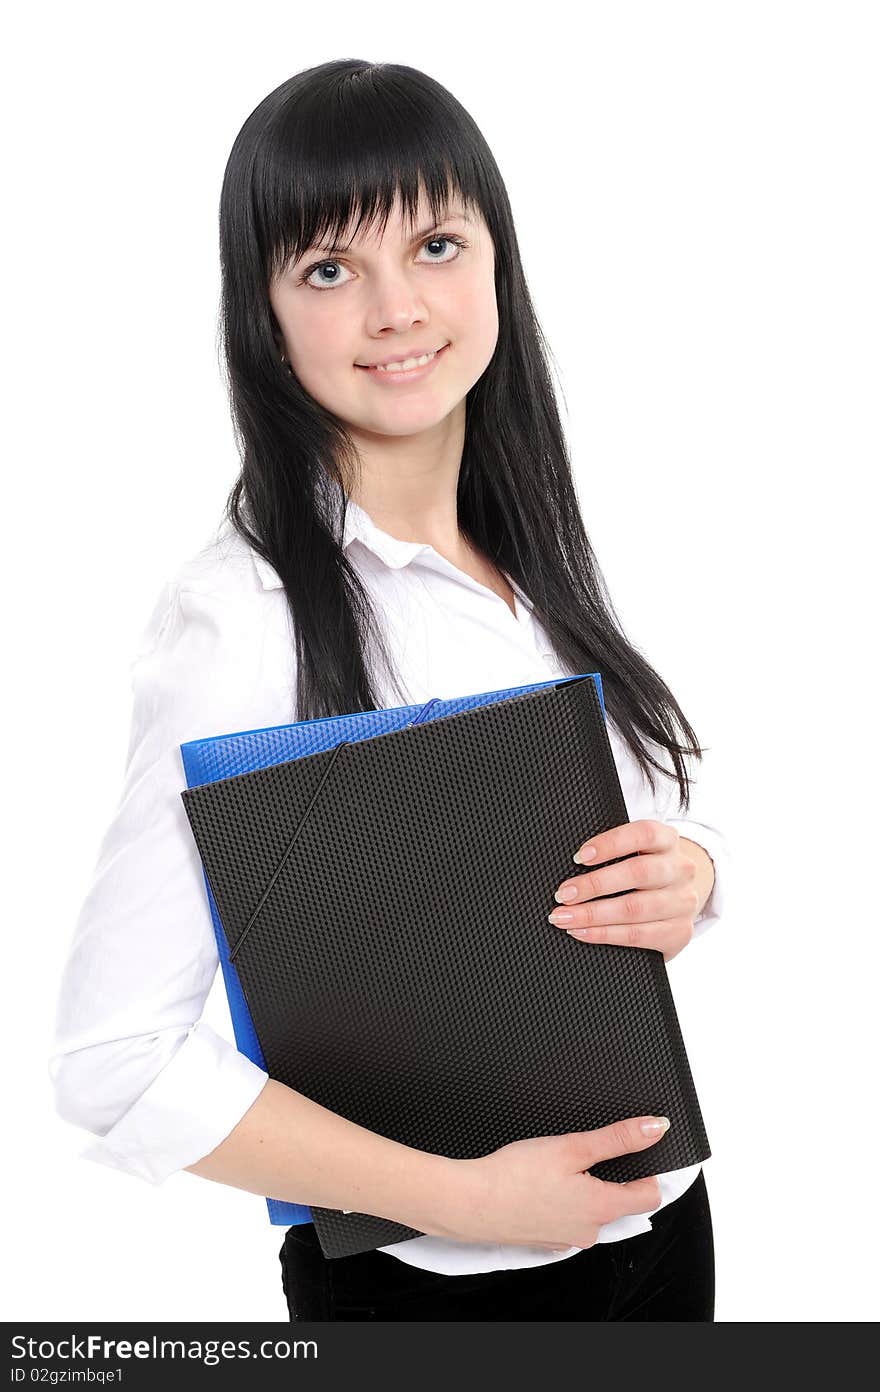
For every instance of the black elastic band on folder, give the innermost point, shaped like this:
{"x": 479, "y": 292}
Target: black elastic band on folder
{"x": 317, "y": 793}
{"x": 293, "y": 839}
{"x": 424, "y": 711}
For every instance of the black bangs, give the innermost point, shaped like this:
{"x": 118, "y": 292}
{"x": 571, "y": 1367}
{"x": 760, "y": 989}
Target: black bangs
{"x": 335, "y": 157}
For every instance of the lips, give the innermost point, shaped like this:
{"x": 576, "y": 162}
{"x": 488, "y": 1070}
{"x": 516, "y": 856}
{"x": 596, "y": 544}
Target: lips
{"x": 395, "y": 366}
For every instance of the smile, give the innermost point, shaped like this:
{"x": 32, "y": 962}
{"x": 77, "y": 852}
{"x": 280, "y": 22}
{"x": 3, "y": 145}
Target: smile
{"x": 410, "y": 370}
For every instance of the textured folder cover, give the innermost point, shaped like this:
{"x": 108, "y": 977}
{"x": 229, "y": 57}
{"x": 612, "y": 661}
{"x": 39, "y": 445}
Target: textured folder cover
{"x": 220, "y": 756}
{"x": 384, "y": 903}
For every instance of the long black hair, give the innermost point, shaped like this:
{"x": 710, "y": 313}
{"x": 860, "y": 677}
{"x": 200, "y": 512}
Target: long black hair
{"x": 343, "y": 140}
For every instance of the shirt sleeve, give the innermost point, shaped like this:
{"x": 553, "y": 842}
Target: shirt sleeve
{"x": 132, "y": 1061}
{"x": 701, "y": 823}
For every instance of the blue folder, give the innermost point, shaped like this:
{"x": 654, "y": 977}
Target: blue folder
{"x": 222, "y": 756}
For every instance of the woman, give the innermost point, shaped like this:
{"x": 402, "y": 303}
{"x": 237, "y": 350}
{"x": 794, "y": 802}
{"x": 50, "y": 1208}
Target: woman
{"x": 404, "y": 526}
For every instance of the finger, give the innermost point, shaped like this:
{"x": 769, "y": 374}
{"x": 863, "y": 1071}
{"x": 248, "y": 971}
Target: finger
{"x": 587, "y": 1148}
{"x": 637, "y": 1196}
{"x": 627, "y": 839}
{"x": 637, "y": 906}
{"x": 666, "y": 935}
{"x": 634, "y": 872}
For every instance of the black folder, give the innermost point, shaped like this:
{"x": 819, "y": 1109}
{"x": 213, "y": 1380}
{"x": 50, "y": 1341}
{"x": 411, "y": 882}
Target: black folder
{"x": 385, "y": 904}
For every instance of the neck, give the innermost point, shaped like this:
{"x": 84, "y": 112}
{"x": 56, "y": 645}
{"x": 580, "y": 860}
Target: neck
{"x": 409, "y": 483}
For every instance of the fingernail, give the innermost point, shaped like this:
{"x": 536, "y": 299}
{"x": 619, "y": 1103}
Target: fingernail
{"x": 560, "y": 916}
{"x": 654, "y": 1126}
{"x": 566, "y": 894}
{"x": 582, "y": 857}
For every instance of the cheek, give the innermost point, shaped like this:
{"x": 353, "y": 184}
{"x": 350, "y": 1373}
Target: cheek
{"x": 489, "y": 323}
{"x": 476, "y": 313}
{"x": 317, "y": 354}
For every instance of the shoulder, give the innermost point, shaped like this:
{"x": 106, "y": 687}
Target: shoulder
{"x": 219, "y": 645}
{"x": 217, "y": 582}
{"x": 226, "y": 587}
{"x": 226, "y": 566}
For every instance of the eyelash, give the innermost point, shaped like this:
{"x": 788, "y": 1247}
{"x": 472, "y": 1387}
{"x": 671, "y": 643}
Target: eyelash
{"x": 436, "y": 237}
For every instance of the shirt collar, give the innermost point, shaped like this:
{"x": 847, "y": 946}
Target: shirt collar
{"x": 359, "y": 526}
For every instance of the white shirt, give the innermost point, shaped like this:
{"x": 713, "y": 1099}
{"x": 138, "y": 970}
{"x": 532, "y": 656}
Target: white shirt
{"x": 132, "y": 1061}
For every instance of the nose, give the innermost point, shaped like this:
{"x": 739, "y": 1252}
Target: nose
{"x": 396, "y": 305}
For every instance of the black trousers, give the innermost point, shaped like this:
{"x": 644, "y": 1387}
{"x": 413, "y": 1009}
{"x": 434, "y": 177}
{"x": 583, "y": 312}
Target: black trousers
{"x": 666, "y": 1274}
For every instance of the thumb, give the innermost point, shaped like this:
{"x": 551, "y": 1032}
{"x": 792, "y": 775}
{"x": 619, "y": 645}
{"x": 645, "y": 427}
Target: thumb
{"x": 619, "y": 1138}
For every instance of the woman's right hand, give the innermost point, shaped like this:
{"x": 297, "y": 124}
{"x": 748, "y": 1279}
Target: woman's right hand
{"x": 536, "y": 1193}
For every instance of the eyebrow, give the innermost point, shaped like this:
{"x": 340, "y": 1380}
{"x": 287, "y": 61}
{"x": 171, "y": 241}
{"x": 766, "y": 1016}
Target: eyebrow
{"x": 431, "y": 227}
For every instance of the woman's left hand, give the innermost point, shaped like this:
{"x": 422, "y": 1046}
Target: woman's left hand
{"x": 660, "y": 911}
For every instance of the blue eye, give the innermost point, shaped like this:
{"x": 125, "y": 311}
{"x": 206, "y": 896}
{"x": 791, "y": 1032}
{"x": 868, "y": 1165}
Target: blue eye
{"x": 324, "y": 266}
{"x": 335, "y": 266}
{"x": 450, "y": 241}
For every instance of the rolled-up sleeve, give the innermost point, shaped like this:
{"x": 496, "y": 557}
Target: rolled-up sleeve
{"x": 132, "y": 1061}
{"x": 701, "y": 823}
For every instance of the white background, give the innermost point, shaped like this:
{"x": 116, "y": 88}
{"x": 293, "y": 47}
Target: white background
{"x": 696, "y": 197}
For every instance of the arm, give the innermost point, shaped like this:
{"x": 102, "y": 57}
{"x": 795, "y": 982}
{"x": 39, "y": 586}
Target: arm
{"x": 132, "y": 1060}
{"x": 289, "y": 1147}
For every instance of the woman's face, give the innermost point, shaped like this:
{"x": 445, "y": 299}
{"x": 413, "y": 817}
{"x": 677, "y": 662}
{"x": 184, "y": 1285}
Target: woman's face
{"x": 394, "y": 297}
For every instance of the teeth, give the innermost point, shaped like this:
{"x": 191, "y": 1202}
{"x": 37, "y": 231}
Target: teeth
{"x": 407, "y": 364}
